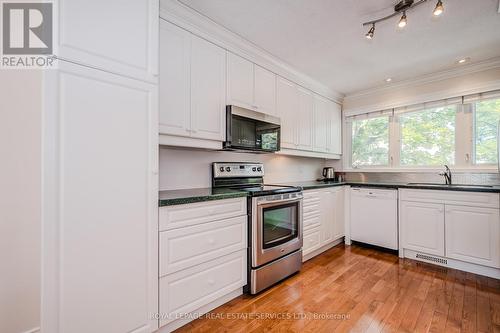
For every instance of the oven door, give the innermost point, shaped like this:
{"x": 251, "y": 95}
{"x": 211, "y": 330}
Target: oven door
{"x": 276, "y": 229}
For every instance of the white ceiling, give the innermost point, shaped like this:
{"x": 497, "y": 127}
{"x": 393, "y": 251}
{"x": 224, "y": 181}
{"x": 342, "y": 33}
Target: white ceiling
{"x": 325, "y": 38}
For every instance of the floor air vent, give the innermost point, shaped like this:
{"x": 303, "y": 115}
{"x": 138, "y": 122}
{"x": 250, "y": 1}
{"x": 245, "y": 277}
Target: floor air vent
{"x": 431, "y": 258}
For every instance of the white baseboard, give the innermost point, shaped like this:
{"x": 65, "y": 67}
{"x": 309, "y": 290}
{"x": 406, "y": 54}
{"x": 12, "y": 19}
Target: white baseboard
{"x": 172, "y": 326}
{"x": 322, "y": 249}
{"x": 456, "y": 264}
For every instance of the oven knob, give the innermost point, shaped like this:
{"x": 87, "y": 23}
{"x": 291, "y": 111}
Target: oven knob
{"x": 259, "y": 169}
{"x": 228, "y": 169}
{"x": 221, "y": 169}
{"x": 254, "y": 169}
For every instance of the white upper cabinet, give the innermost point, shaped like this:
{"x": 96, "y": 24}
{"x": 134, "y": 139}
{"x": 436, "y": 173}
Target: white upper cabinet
{"x": 335, "y": 129}
{"x": 473, "y": 234}
{"x": 119, "y": 36}
{"x": 287, "y": 97}
{"x": 175, "y": 95}
{"x": 321, "y": 117}
{"x": 305, "y": 120}
{"x": 192, "y": 88}
{"x": 208, "y": 90}
{"x": 265, "y": 90}
{"x": 250, "y": 86}
{"x": 240, "y": 82}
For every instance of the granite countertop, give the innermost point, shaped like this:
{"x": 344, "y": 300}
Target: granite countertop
{"x": 185, "y": 196}
{"x": 308, "y": 185}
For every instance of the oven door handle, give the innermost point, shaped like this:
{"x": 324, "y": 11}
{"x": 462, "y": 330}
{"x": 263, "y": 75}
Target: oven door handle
{"x": 278, "y": 202}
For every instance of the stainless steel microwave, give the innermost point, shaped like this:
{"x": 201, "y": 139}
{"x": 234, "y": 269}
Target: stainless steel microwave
{"x": 251, "y": 131}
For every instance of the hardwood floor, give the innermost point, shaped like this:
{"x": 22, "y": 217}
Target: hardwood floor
{"x": 355, "y": 289}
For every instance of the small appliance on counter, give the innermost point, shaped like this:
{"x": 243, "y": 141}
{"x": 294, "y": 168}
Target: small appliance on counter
{"x": 328, "y": 174}
{"x": 274, "y": 223}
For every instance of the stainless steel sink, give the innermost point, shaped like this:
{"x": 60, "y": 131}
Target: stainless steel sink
{"x": 452, "y": 185}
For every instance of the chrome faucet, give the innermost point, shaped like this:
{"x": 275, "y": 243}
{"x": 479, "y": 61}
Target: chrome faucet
{"x": 447, "y": 175}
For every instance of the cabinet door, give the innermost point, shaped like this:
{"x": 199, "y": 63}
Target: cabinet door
{"x": 208, "y": 90}
{"x": 327, "y": 216}
{"x": 320, "y": 123}
{"x": 101, "y": 202}
{"x": 265, "y": 90}
{"x": 339, "y": 223}
{"x": 334, "y": 128}
{"x": 240, "y": 81}
{"x": 175, "y": 105}
{"x": 287, "y": 106}
{"x": 422, "y": 227}
{"x": 473, "y": 235}
{"x": 119, "y": 36}
{"x": 305, "y": 120}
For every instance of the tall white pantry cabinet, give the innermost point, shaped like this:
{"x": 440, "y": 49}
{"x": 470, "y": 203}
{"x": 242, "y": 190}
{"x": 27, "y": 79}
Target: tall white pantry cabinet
{"x": 79, "y": 220}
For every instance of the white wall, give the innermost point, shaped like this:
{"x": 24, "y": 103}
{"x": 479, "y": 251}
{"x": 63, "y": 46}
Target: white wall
{"x": 20, "y": 200}
{"x": 184, "y": 168}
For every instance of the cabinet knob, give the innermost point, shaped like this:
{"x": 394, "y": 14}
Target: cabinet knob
{"x": 211, "y": 282}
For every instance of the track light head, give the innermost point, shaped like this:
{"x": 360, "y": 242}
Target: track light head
{"x": 371, "y": 32}
{"x": 439, "y": 8}
{"x": 403, "y": 21}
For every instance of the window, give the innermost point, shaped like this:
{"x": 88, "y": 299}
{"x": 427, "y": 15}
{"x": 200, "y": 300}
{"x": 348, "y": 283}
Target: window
{"x": 486, "y": 118}
{"x": 461, "y": 132}
{"x": 428, "y": 137}
{"x": 370, "y": 142}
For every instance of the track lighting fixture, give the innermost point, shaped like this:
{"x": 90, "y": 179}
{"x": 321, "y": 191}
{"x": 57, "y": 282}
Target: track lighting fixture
{"x": 401, "y": 8}
{"x": 402, "y": 21}
{"x": 371, "y": 32}
{"x": 439, "y": 8}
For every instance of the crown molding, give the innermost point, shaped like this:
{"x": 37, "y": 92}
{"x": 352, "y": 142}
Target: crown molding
{"x": 430, "y": 78}
{"x": 189, "y": 19}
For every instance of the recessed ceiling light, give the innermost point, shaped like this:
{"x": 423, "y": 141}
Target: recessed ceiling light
{"x": 388, "y": 79}
{"x": 463, "y": 60}
{"x": 439, "y": 8}
{"x": 403, "y": 21}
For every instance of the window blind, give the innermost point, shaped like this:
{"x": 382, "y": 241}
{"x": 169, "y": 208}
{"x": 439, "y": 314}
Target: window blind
{"x": 427, "y": 105}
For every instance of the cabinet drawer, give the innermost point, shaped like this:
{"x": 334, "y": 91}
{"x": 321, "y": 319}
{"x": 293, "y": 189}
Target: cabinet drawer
{"x": 308, "y": 195}
{"x": 311, "y": 222}
{"x": 312, "y": 240}
{"x": 476, "y": 199}
{"x": 189, "y": 246}
{"x": 177, "y": 216}
{"x": 188, "y": 290}
{"x": 310, "y": 208}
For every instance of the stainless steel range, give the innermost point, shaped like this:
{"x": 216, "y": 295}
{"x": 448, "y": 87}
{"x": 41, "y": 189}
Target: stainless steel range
{"x": 274, "y": 223}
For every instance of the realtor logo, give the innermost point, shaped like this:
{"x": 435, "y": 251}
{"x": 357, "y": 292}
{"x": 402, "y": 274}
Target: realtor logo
{"x": 27, "y": 34}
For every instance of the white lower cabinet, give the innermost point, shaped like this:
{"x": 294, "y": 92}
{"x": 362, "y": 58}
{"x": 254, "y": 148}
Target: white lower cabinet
{"x": 188, "y": 290}
{"x": 422, "y": 226}
{"x": 323, "y": 222}
{"x": 473, "y": 235}
{"x": 203, "y": 258}
{"x": 461, "y": 228}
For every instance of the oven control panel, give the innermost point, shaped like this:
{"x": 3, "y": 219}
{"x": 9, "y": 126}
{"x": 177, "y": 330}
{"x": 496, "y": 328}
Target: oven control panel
{"x": 279, "y": 197}
{"x": 235, "y": 169}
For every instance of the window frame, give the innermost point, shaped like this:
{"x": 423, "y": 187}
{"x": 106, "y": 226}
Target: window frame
{"x": 464, "y": 145}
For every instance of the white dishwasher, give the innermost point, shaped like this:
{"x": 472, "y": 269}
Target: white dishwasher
{"x": 374, "y": 216}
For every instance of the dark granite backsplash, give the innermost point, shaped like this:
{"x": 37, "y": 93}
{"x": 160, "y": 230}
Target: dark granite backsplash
{"x": 414, "y": 177}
